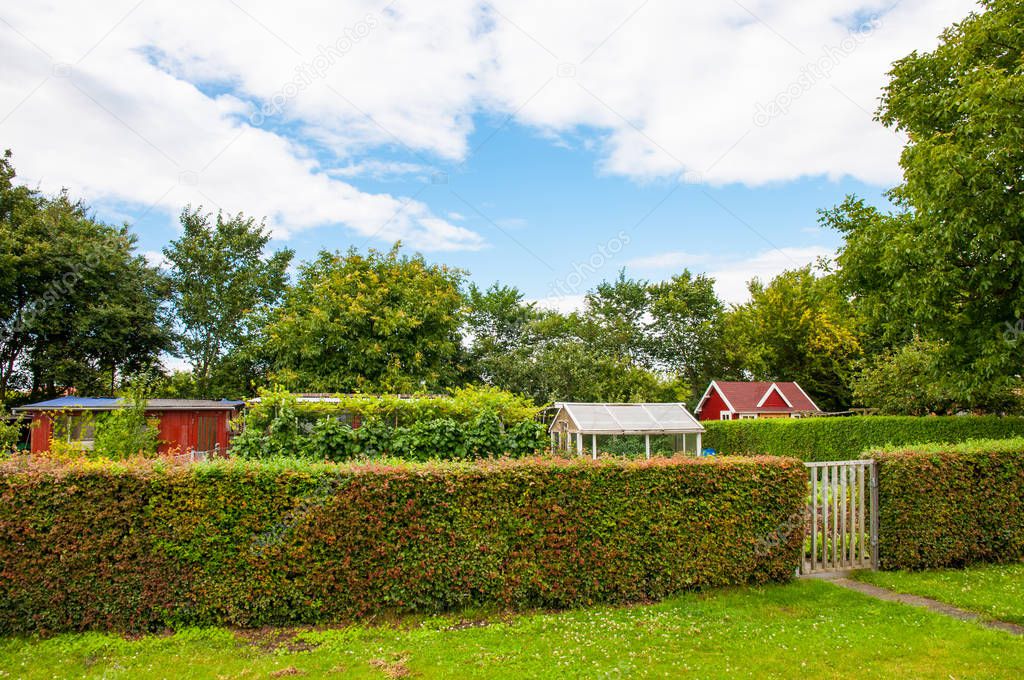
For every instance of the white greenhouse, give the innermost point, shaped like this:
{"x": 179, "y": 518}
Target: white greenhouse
{"x": 575, "y": 423}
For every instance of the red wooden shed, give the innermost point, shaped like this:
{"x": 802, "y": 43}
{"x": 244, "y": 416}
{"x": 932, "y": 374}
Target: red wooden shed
{"x": 732, "y": 400}
{"x": 186, "y": 425}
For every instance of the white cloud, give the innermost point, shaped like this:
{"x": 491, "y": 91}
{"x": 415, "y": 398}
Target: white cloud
{"x": 150, "y": 103}
{"x": 669, "y": 260}
{"x": 155, "y": 258}
{"x": 380, "y": 169}
{"x": 731, "y": 276}
{"x": 563, "y": 304}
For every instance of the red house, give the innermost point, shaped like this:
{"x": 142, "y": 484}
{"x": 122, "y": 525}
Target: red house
{"x": 741, "y": 400}
{"x": 186, "y": 425}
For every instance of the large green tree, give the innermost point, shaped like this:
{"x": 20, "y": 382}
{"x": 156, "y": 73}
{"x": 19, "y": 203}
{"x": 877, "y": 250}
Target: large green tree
{"x": 948, "y": 267}
{"x": 381, "y": 321}
{"x": 633, "y": 341}
{"x": 221, "y": 281}
{"x": 79, "y": 306}
{"x": 800, "y": 327}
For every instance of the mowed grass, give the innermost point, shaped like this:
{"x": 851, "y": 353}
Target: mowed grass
{"x": 996, "y": 591}
{"x": 804, "y": 629}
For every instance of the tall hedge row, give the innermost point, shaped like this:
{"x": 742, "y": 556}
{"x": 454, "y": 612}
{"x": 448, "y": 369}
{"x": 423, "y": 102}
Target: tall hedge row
{"x": 951, "y": 506}
{"x": 822, "y": 439}
{"x": 113, "y": 546}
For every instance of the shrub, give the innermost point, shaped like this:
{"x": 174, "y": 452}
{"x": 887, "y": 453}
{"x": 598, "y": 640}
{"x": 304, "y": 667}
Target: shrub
{"x": 105, "y": 545}
{"x": 280, "y": 425}
{"x": 949, "y": 505}
{"x": 821, "y": 439}
{"x": 463, "y": 405}
{"x": 126, "y": 432}
{"x": 10, "y": 433}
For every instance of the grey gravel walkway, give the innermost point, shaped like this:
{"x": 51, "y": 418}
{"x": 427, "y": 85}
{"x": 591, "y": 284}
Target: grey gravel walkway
{"x": 927, "y": 603}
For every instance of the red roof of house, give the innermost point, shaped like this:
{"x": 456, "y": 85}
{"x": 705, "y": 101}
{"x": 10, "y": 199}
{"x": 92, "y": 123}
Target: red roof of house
{"x": 761, "y": 397}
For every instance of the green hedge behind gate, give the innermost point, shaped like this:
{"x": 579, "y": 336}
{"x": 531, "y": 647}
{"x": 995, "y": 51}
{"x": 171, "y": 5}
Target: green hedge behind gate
{"x": 823, "y": 439}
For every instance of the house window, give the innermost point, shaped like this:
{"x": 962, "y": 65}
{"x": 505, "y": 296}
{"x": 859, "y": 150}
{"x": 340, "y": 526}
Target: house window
{"x": 748, "y": 416}
{"x": 725, "y": 415}
{"x": 77, "y": 428}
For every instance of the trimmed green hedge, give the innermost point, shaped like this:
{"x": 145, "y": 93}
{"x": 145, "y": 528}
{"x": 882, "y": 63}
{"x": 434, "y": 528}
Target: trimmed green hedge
{"x": 948, "y": 506}
{"x": 142, "y": 547}
{"x": 822, "y": 439}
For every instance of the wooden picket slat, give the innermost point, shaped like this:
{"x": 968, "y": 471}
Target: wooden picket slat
{"x": 815, "y": 472}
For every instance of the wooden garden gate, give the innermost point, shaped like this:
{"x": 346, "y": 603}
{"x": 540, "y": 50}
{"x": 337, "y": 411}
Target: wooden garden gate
{"x": 842, "y": 517}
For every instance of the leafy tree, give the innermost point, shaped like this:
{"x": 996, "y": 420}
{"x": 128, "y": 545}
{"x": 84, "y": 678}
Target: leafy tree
{"x": 78, "y": 305}
{"x": 10, "y": 433}
{"x": 633, "y": 341}
{"x": 902, "y": 381}
{"x": 688, "y": 322}
{"x": 950, "y": 265}
{"x": 220, "y": 279}
{"x": 374, "y": 322}
{"x": 23, "y": 273}
{"x": 797, "y": 327}
{"x": 497, "y": 325}
{"x": 127, "y": 432}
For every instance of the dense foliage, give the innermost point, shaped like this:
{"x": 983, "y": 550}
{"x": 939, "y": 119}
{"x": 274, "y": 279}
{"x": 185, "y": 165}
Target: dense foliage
{"x": 819, "y": 439}
{"x": 109, "y": 546}
{"x": 10, "y": 433}
{"x": 381, "y": 322}
{"x": 633, "y": 340}
{"x": 948, "y": 506}
{"x": 920, "y": 311}
{"x": 471, "y": 423}
{"x": 222, "y": 284}
{"x": 949, "y": 266}
{"x": 902, "y": 381}
{"x": 127, "y": 432}
{"x": 78, "y": 304}
{"x": 799, "y": 327}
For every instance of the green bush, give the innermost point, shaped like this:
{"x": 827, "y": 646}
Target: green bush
{"x": 951, "y": 505}
{"x": 126, "y": 432}
{"x": 10, "y": 433}
{"x": 107, "y": 545}
{"x": 280, "y": 425}
{"x": 822, "y": 439}
{"x": 463, "y": 405}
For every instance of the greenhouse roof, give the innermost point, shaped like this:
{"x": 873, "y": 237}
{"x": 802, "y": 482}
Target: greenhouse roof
{"x": 653, "y": 418}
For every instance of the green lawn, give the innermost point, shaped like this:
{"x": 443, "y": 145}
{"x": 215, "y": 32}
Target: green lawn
{"x": 997, "y": 591}
{"x": 807, "y": 629}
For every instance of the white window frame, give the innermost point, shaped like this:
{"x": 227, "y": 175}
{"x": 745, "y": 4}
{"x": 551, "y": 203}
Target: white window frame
{"x": 748, "y": 416}
{"x": 725, "y": 415}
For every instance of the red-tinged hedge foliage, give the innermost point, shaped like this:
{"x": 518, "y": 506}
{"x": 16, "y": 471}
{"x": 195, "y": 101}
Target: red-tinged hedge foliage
{"x": 113, "y": 546}
{"x": 952, "y": 507}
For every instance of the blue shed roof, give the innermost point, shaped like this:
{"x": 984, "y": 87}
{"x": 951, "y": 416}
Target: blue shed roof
{"x": 108, "y": 403}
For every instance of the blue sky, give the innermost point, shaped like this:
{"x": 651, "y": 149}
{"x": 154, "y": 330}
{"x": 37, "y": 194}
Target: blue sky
{"x": 527, "y": 142}
{"x": 544, "y": 206}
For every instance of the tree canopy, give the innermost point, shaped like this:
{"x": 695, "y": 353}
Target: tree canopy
{"x": 78, "y": 305}
{"x": 220, "y": 281}
{"x": 381, "y": 321}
